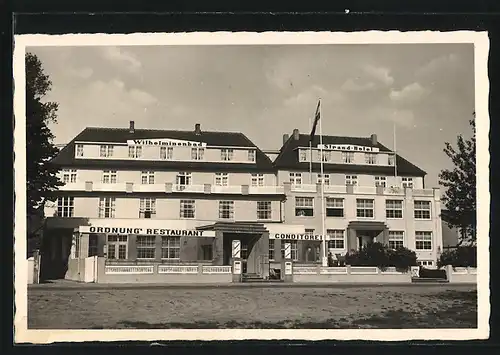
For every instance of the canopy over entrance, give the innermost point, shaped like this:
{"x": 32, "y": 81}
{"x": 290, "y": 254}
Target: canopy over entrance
{"x": 367, "y": 225}
{"x": 235, "y": 227}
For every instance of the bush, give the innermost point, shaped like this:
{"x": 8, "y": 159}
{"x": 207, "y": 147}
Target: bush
{"x": 380, "y": 255}
{"x": 462, "y": 256}
{"x": 432, "y": 273}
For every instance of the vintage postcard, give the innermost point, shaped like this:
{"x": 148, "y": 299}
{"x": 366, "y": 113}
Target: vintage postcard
{"x": 230, "y": 186}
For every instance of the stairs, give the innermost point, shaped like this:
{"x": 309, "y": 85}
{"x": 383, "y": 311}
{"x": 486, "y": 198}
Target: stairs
{"x": 251, "y": 277}
{"x": 428, "y": 280}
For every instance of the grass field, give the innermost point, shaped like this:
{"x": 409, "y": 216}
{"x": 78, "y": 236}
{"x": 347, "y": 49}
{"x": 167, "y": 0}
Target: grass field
{"x": 272, "y": 307}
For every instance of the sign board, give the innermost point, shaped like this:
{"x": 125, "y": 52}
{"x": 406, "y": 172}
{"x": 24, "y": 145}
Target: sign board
{"x": 348, "y": 148}
{"x": 167, "y": 142}
{"x": 298, "y": 236}
{"x": 236, "y": 249}
{"x": 237, "y": 267}
{"x": 146, "y": 231}
{"x": 288, "y": 268}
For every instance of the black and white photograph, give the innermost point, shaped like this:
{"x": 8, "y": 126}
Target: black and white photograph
{"x": 252, "y": 186}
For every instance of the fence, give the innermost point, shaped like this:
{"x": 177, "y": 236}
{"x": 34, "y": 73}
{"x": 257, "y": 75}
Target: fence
{"x": 368, "y": 274}
{"x": 461, "y": 274}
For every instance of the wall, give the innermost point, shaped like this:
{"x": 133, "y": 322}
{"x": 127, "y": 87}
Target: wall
{"x": 324, "y": 275}
{"x": 156, "y": 277}
{"x": 76, "y": 270}
{"x": 461, "y": 275}
{"x": 31, "y": 270}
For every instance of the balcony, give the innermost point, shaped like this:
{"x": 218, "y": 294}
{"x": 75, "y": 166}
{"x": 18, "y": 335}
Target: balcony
{"x": 186, "y": 188}
{"x": 228, "y": 189}
{"x": 304, "y": 188}
{"x": 265, "y": 190}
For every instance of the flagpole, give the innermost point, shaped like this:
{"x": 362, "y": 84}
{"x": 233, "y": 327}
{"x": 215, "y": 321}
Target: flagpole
{"x": 395, "y": 154}
{"x": 310, "y": 157}
{"x": 323, "y": 233}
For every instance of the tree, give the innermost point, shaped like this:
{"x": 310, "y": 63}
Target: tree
{"x": 41, "y": 175}
{"x": 380, "y": 255}
{"x": 460, "y": 184}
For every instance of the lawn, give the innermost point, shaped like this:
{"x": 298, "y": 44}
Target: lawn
{"x": 445, "y": 306}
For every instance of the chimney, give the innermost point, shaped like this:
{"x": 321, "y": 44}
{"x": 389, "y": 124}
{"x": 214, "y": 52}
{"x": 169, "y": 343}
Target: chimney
{"x": 285, "y": 138}
{"x": 197, "y": 129}
{"x": 374, "y": 139}
{"x": 296, "y": 134}
{"x": 132, "y": 127}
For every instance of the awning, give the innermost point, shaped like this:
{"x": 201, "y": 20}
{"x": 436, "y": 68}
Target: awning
{"x": 235, "y": 227}
{"x": 367, "y": 225}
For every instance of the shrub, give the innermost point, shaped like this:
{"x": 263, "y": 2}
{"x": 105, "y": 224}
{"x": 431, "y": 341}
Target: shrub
{"x": 462, "y": 256}
{"x": 380, "y": 255}
{"x": 432, "y": 273}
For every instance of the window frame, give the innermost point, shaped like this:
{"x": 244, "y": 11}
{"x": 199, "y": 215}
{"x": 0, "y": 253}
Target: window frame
{"x": 106, "y": 151}
{"x": 227, "y": 154}
{"x": 266, "y": 208}
{"x": 302, "y": 206}
{"x": 380, "y": 181}
{"x": 71, "y": 175}
{"x": 80, "y": 150}
{"x": 197, "y": 153}
{"x": 351, "y": 180}
{"x": 332, "y": 201}
{"x": 319, "y": 177}
{"x": 146, "y": 247}
{"x": 421, "y": 211}
{"x": 423, "y": 240}
{"x": 257, "y": 180}
{"x": 271, "y": 252}
{"x": 221, "y": 179}
{"x": 170, "y": 244}
{"x": 295, "y": 178}
{"x": 110, "y": 175}
{"x": 334, "y": 238}
{"x": 394, "y": 209}
{"x": 252, "y": 155}
{"x": 371, "y": 158}
{"x": 135, "y": 151}
{"x": 364, "y": 208}
{"x": 230, "y": 209}
{"x": 66, "y": 206}
{"x": 147, "y": 177}
{"x": 103, "y": 208}
{"x": 121, "y": 241}
{"x": 147, "y": 204}
{"x": 347, "y": 157}
{"x": 395, "y": 238}
{"x": 186, "y": 208}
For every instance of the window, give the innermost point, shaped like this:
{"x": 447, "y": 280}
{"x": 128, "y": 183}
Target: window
{"x": 394, "y": 209}
{"x": 207, "y": 251}
{"x": 326, "y": 179}
{"x": 334, "y": 207}
{"x": 166, "y": 153}
{"x": 326, "y": 156}
{"x": 69, "y": 175}
{"x": 422, "y": 209}
{"x": 423, "y": 240}
{"x": 302, "y": 155}
{"x": 146, "y": 246}
{"x": 109, "y": 176}
{"x": 351, "y": 180}
{"x": 263, "y": 209}
{"x": 407, "y": 182}
{"x": 226, "y": 154}
{"x": 294, "y": 249}
{"x": 65, "y": 206}
{"x": 79, "y": 150}
{"x": 364, "y": 208}
{"x": 371, "y": 158}
{"x": 183, "y": 179}
{"x": 147, "y": 177}
{"x": 336, "y": 238}
{"x": 197, "y": 153}
{"x": 425, "y": 262}
{"x": 304, "y": 206}
{"x": 147, "y": 208}
{"x": 390, "y": 160}
{"x": 296, "y": 178}
{"x": 226, "y": 209}
{"x": 92, "y": 251}
{"x": 135, "y": 151}
{"x": 117, "y": 247}
{"x": 380, "y": 181}
{"x": 107, "y": 207}
{"x": 187, "y": 209}
{"x": 396, "y": 239}
{"x": 271, "y": 249}
{"x": 348, "y": 157}
{"x": 257, "y": 179}
{"x": 106, "y": 151}
{"x": 221, "y": 179}
{"x": 170, "y": 247}
{"x": 251, "y": 155}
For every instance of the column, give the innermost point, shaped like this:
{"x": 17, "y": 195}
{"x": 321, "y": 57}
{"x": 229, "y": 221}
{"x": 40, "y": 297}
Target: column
{"x": 132, "y": 246}
{"x": 287, "y": 263}
{"x": 101, "y": 243}
{"x": 351, "y": 239}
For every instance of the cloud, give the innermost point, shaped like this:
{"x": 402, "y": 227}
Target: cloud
{"x": 435, "y": 65}
{"x": 310, "y": 96}
{"x": 402, "y": 117}
{"x": 82, "y": 73}
{"x": 379, "y": 73}
{"x": 119, "y": 55}
{"x": 352, "y": 85}
{"x": 142, "y": 97}
{"x": 409, "y": 93}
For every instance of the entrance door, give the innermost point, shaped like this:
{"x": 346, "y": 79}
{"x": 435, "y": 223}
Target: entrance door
{"x": 244, "y": 256}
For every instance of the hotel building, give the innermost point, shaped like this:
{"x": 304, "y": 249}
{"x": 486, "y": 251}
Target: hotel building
{"x": 158, "y": 201}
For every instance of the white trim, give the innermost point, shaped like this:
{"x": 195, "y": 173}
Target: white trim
{"x": 128, "y": 269}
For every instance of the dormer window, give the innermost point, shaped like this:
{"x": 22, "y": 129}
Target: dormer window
{"x": 348, "y": 157}
{"x": 135, "y": 151}
{"x": 79, "y": 150}
{"x": 226, "y": 154}
{"x": 324, "y": 155}
{"x": 251, "y": 155}
{"x": 106, "y": 151}
{"x": 371, "y": 158}
{"x": 391, "y": 160}
{"x": 302, "y": 155}
{"x": 166, "y": 153}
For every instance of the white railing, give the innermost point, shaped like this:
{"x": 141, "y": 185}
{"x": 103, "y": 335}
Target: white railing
{"x": 265, "y": 190}
{"x": 115, "y": 187}
{"x": 364, "y": 270}
{"x": 333, "y": 270}
{"x": 304, "y": 270}
{"x": 128, "y": 269}
{"x": 149, "y": 187}
{"x": 177, "y": 269}
{"x": 341, "y": 189}
{"x": 212, "y": 269}
{"x": 472, "y": 270}
{"x": 73, "y": 186}
{"x": 234, "y": 189}
{"x": 390, "y": 270}
{"x": 303, "y": 188}
{"x": 368, "y": 190}
{"x": 460, "y": 270}
{"x": 187, "y": 188}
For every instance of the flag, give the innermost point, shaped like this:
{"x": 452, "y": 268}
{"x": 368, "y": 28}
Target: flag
{"x": 316, "y": 120}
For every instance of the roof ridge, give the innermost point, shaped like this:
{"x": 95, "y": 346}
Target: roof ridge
{"x": 158, "y": 130}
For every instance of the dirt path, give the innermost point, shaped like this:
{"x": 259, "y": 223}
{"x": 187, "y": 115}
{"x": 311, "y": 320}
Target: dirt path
{"x": 273, "y": 307}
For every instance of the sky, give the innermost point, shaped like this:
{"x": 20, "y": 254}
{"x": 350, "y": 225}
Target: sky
{"x": 265, "y": 91}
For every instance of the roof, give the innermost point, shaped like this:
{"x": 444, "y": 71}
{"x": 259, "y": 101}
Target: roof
{"x": 288, "y": 158}
{"x": 66, "y": 156}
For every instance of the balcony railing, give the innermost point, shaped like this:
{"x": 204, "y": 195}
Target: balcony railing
{"x": 265, "y": 190}
{"x": 303, "y": 188}
{"x": 186, "y": 188}
{"x": 229, "y": 189}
